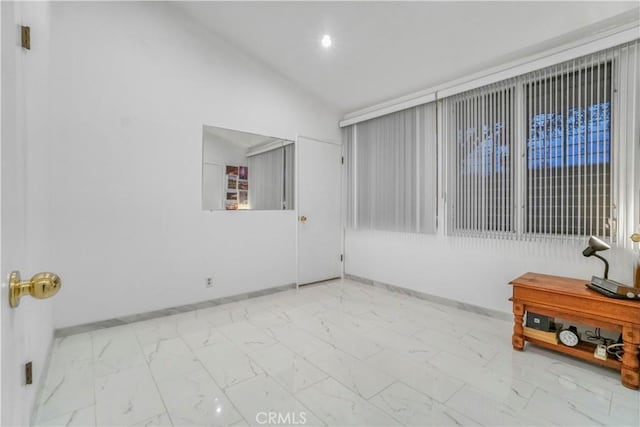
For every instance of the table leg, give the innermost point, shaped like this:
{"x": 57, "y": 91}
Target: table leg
{"x": 630, "y": 372}
{"x": 517, "y": 340}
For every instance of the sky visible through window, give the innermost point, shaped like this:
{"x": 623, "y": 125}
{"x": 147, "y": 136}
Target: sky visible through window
{"x": 583, "y": 138}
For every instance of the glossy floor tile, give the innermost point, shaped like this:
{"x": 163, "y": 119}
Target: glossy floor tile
{"x": 334, "y": 354}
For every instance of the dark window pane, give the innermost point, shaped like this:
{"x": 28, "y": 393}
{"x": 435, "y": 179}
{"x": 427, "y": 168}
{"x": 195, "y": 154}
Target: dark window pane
{"x": 569, "y": 152}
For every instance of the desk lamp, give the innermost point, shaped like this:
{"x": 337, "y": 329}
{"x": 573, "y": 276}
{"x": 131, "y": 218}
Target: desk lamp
{"x": 597, "y": 245}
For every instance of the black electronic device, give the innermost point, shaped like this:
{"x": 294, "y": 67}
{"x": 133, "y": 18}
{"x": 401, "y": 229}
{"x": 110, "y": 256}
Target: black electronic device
{"x": 540, "y": 322}
{"x": 605, "y": 286}
{"x": 613, "y": 289}
{"x": 604, "y": 291}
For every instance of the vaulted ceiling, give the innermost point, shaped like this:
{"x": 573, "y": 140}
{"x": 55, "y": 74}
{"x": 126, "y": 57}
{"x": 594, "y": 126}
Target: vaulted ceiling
{"x": 383, "y": 50}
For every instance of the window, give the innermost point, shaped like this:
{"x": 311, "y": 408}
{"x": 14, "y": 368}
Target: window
{"x": 391, "y": 171}
{"x": 568, "y": 175}
{"x": 482, "y": 198}
{"x": 550, "y": 154}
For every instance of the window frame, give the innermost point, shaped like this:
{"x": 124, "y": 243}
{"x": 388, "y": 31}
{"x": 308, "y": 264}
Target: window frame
{"x": 519, "y": 152}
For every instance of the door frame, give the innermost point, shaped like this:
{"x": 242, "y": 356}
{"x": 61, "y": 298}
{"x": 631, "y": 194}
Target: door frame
{"x": 2, "y": 280}
{"x": 297, "y": 202}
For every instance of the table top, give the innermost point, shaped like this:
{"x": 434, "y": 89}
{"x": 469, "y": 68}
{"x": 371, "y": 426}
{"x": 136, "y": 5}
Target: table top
{"x": 567, "y": 286}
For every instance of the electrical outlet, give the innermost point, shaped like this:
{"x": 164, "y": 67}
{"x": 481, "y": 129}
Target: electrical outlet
{"x": 601, "y": 352}
{"x": 209, "y": 282}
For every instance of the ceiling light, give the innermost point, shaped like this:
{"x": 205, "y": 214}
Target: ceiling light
{"x": 326, "y": 40}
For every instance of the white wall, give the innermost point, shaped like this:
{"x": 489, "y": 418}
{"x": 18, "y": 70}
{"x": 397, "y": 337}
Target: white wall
{"x": 132, "y": 85}
{"x": 471, "y": 270}
{"x": 27, "y": 330}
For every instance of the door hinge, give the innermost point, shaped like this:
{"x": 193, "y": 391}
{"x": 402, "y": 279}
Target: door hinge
{"x": 342, "y": 160}
{"x": 26, "y": 37}
{"x": 28, "y": 373}
{"x": 341, "y": 257}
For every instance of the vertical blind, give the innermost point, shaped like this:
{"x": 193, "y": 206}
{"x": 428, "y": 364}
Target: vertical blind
{"x": 391, "y": 171}
{"x": 553, "y": 153}
{"x": 288, "y": 184}
{"x": 480, "y": 135}
{"x": 626, "y": 137}
{"x": 271, "y": 179}
{"x": 568, "y": 132}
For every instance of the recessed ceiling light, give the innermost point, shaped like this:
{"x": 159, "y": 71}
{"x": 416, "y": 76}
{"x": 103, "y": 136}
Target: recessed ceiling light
{"x": 326, "y": 40}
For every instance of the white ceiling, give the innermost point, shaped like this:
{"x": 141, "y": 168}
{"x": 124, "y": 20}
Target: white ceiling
{"x": 383, "y": 50}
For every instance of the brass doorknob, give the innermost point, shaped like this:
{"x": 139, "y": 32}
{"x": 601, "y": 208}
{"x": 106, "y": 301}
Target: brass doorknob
{"x": 303, "y": 218}
{"x": 41, "y": 285}
{"x": 635, "y": 237}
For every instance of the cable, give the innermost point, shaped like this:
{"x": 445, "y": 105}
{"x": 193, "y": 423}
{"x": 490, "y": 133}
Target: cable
{"x": 595, "y": 336}
{"x": 616, "y": 350}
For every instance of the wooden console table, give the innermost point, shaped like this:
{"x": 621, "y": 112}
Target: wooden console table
{"x": 570, "y": 300}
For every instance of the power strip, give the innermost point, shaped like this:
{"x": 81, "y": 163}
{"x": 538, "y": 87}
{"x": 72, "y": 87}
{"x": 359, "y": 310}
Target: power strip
{"x": 601, "y": 352}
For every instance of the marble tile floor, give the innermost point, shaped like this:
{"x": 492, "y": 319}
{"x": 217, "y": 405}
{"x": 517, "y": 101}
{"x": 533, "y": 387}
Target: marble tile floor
{"x": 338, "y": 353}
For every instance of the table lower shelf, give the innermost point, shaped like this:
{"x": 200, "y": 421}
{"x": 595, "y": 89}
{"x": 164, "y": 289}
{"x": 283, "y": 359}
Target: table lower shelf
{"x": 583, "y": 350}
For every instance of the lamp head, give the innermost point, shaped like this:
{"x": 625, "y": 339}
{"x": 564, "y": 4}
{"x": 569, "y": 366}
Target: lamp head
{"x": 595, "y": 245}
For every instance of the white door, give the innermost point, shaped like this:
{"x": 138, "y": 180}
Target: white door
{"x": 26, "y": 332}
{"x": 12, "y": 222}
{"x": 319, "y": 170}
